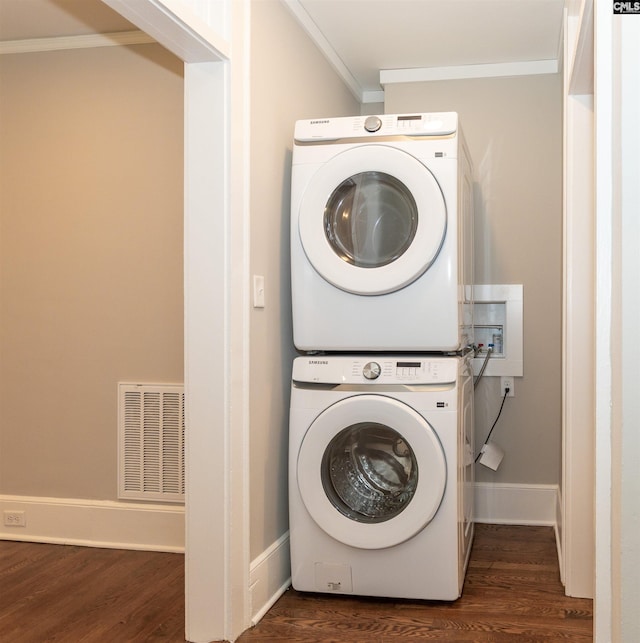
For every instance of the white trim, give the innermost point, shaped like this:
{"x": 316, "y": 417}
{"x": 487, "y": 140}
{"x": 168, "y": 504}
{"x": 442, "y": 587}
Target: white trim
{"x": 206, "y": 347}
{"x": 371, "y": 96}
{"x": 312, "y": 30}
{"x": 216, "y": 342}
{"x": 604, "y": 178}
{"x": 96, "y": 523}
{"x": 492, "y": 70}
{"x": 581, "y": 76}
{"x": 270, "y": 576}
{"x": 625, "y": 438}
{"x": 578, "y": 364}
{"x": 175, "y": 26}
{"x": 559, "y": 529}
{"x": 237, "y": 289}
{"x": 118, "y": 39}
{"x": 515, "y": 504}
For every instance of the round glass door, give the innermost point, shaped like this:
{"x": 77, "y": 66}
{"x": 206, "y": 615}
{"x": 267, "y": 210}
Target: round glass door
{"x": 371, "y": 471}
{"x": 372, "y": 219}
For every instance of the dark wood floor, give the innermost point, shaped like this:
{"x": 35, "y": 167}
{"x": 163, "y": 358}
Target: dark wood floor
{"x": 72, "y": 594}
{"x": 512, "y": 593}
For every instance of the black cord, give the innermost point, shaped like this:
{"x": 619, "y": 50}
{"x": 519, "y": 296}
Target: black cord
{"x": 504, "y": 398}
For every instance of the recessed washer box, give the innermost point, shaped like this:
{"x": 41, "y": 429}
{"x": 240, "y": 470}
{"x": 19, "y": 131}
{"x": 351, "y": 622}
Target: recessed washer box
{"x": 498, "y": 320}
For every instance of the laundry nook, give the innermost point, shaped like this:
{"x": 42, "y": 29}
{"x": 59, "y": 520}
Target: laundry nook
{"x": 317, "y": 320}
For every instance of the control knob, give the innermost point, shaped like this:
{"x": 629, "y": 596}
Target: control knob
{"x": 372, "y": 124}
{"x": 371, "y": 370}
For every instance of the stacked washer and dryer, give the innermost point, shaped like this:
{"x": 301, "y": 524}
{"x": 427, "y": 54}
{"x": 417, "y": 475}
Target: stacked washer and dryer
{"x": 381, "y": 418}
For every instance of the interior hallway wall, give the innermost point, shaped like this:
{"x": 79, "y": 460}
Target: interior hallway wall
{"x": 513, "y": 129}
{"x": 91, "y": 220}
{"x": 290, "y": 80}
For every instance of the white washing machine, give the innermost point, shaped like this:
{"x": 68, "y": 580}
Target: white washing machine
{"x": 381, "y": 475}
{"x": 381, "y": 234}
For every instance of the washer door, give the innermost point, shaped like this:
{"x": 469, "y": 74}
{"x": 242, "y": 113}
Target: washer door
{"x": 371, "y": 471}
{"x": 372, "y": 220}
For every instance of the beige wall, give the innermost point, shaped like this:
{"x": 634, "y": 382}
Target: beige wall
{"x": 90, "y": 256}
{"x": 290, "y": 80}
{"x": 513, "y": 128}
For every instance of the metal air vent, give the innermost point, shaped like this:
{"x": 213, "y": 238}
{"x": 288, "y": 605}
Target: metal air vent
{"x": 151, "y": 442}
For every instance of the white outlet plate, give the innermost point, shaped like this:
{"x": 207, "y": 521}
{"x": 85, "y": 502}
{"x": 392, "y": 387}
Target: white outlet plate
{"x": 15, "y": 519}
{"x": 507, "y": 383}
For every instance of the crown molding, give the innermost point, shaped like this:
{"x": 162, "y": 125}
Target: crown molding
{"x": 325, "y": 47}
{"x": 89, "y": 41}
{"x": 492, "y": 70}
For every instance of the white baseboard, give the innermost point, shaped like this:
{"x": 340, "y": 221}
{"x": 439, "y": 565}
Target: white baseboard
{"x": 559, "y": 526}
{"x": 96, "y": 523}
{"x": 269, "y": 577}
{"x": 514, "y": 504}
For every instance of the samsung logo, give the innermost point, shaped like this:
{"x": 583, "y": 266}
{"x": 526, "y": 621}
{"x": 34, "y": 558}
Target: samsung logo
{"x": 319, "y": 361}
{"x": 319, "y": 122}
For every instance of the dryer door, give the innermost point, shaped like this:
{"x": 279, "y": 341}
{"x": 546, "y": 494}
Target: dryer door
{"x": 372, "y": 220}
{"x": 371, "y": 471}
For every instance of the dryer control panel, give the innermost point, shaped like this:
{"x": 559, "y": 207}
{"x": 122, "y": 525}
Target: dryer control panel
{"x": 378, "y": 369}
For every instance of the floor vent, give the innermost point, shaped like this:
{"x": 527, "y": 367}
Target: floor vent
{"x": 151, "y": 442}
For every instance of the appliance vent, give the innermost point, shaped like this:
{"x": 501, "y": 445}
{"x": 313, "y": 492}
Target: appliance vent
{"x": 151, "y": 442}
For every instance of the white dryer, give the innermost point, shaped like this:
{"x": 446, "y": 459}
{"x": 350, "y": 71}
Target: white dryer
{"x": 381, "y": 234}
{"x": 381, "y": 475}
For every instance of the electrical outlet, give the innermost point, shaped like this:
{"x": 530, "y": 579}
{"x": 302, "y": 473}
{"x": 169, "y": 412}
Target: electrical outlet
{"x": 507, "y": 383}
{"x": 15, "y": 519}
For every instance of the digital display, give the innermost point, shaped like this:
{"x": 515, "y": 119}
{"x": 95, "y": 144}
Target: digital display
{"x": 409, "y": 118}
{"x": 408, "y": 365}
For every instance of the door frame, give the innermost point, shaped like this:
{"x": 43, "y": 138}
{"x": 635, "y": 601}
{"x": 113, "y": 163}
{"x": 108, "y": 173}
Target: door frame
{"x": 211, "y": 40}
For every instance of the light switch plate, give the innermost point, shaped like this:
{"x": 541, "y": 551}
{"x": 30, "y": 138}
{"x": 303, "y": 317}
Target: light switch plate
{"x": 258, "y": 291}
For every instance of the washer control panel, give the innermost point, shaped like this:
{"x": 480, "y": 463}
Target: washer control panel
{"x": 346, "y": 369}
